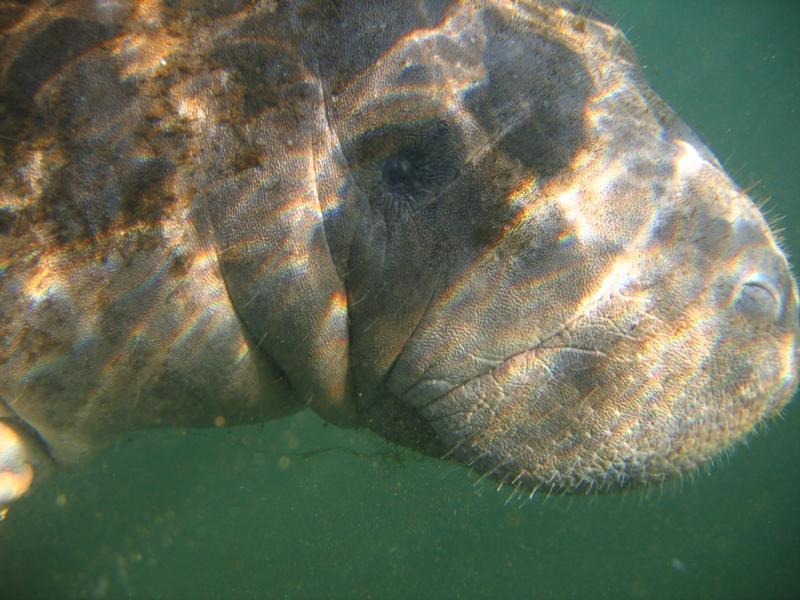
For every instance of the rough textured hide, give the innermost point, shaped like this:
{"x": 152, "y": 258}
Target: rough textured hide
{"x": 469, "y": 226}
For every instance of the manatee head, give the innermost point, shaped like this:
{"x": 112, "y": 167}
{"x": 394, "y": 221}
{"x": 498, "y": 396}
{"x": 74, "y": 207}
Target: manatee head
{"x": 628, "y": 324}
{"x": 471, "y": 227}
{"x": 549, "y": 277}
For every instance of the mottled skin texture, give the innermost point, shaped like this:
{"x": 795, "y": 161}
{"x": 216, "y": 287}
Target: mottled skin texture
{"x": 470, "y": 227}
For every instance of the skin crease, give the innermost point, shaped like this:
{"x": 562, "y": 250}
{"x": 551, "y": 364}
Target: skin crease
{"x": 470, "y": 227}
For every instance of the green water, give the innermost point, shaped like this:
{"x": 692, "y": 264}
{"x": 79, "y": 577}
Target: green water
{"x": 244, "y": 513}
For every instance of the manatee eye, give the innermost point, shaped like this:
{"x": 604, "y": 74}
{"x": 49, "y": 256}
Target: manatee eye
{"x": 412, "y": 159}
{"x": 757, "y": 299}
{"x": 397, "y": 171}
{"x": 403, "y": 168}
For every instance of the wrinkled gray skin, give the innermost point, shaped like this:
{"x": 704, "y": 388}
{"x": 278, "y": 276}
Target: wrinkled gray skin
{"x": 470, "y": 227}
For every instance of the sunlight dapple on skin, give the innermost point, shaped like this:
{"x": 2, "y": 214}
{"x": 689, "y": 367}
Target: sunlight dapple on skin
{"x": 470, "y": 227}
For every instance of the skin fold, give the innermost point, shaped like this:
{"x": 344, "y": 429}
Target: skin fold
{"x": 470, "y": 227}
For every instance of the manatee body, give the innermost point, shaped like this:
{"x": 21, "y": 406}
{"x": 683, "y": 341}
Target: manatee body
{"x": 471, "y": 227}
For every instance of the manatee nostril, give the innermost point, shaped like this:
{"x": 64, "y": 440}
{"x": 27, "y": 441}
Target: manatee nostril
{"x": 759, "y": 299}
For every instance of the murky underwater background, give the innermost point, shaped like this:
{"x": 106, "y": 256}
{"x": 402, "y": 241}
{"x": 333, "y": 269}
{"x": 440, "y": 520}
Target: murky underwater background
{"x": 298, "y": 509}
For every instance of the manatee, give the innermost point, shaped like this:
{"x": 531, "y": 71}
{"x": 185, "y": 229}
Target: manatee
{"x": 470, "y": 227}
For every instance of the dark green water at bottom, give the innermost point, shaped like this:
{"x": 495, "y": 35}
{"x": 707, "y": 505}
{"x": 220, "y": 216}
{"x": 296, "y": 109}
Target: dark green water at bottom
{"x": 250, "y": 513}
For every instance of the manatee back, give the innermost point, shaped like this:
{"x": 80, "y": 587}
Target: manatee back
{"x": 114, "y": 311}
